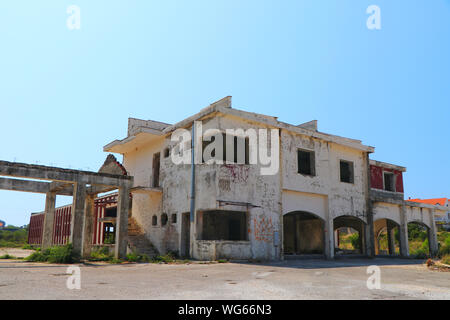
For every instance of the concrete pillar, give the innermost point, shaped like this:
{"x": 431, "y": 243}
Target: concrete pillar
{"x": 123, "y": 206}
{"x": 377, "y": 243}
{"x": 88, "y": 226}
{"x": 369, "y": 238}
{"x": 78, "y": 206}
{"x": 403, "y": 230}
{"x": 432, "y": 236}
{"x": 49, "y": 218}
{"x": 391, "y": 238}
{"x": 329, "y": 238}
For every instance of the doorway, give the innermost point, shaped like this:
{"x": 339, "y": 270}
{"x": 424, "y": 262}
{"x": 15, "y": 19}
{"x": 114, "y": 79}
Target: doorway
{"x": 185, "y": 235}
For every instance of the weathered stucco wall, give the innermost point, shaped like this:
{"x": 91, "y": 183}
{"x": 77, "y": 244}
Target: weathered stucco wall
{"x": 343, "y": 198}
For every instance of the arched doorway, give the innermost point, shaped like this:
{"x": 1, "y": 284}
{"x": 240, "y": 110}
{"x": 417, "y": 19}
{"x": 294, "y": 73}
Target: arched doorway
{"x": 348, "y": 235}
{"x": 303, "y": 233}
{"x": 387, "y": 237}
{"x": 418, "y": 240}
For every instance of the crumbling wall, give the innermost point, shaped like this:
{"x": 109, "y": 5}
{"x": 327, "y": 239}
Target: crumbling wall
{"x": 343, "y": 198}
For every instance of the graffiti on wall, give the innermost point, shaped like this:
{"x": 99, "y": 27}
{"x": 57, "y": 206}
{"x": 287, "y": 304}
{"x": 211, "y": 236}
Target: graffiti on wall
{"x": 237, "y": 173}
{"x": 263, "y": 229}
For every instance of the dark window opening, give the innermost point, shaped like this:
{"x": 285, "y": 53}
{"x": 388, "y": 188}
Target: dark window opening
{"x": 346, "y": 171}
{"x": 156, "y": 166}
{"x": 164, "y": 219}
{"x": 154, "y": 220}
{"x": 174, "y": 218}
{"x": 241, "y": 149}
{"x": 111, "y": 212}
{"x": 224, "y": 225}
{"x": 389, "y": 184}
{"x": 306, "y": 162}
{"x": 166, "y": 152}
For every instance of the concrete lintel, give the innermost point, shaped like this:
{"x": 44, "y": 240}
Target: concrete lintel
{"x": 32, "y": 186}
{"x": 22, "y": 170}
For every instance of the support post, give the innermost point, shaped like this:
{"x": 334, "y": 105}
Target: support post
{"x": 329, "y": 238}
{"x": 434, "y": 248}
{"x": 121, "y": 231}
{"x": 88, "y": 225}
{"x": 369, "y": 234}
{"x": 49, "y": 218}
{"x": 403, "y": 230}
{"x": 369, "y": 229}
{"x": 391, "y": 238}
{"x": 78, "y": 206}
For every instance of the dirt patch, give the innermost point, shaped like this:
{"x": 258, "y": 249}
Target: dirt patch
{"x": 16, "y": 252}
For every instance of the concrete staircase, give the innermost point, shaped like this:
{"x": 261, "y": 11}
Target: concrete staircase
{"x": 137, "y": 241}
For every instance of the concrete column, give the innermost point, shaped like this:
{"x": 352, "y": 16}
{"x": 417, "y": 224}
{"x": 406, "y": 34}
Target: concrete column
{"x": 123, "y": 206}
{"x": 403, "y": 230}
{"x": 377, "y": 244}
{"x": 391, "y": 238}
{"x": 432, "y": 237}
{"x": 49, "y": 218}
{"x": 329, "y": 238}
{"x": 369, "y": 237}
{"x": 88, "y": 226}
{"x": 78, "y": 206}
{"x": 369, "y": 232}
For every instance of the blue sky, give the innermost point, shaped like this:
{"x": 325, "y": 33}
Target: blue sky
{"x": 64, "y": 93}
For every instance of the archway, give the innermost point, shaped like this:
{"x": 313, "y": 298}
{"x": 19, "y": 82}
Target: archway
{"x": 348, "y": 235}
{"x": 387, "y": 237}
{"x": 419, "y": 239}
{"x": 303, "y": 233}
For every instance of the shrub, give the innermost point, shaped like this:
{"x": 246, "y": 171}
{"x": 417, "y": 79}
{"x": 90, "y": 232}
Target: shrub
{"x": 28, "y": 247}
{"x": 13, "y": 237}
{"x": 420, "y": 254}
{"x": 7, "y": 256}
{"x": 446, "y": 259}
{"x": 445, "y": 248}
{"x": 354, "y": 239}
{"x": 169, "y": 257}
{"x": 137, "y": 257}
{"x": 56, "y": 254}
{"x": 101, "y": 254}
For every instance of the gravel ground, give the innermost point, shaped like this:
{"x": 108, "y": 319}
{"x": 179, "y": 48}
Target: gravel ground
{"x": 300, "y": 279}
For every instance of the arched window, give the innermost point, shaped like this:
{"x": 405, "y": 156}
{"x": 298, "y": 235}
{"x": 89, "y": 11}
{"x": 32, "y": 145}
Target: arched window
{"x": 154, "y": 220}
{"x": 164, "y": 219}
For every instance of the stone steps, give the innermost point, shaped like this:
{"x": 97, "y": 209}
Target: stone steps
{"x": 137, "y": 241}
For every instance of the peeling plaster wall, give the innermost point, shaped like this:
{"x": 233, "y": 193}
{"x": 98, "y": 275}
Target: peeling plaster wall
{"x": 383, "y": 210}
{"x": 416, "y": 214}
{"x": 343, "y": 198}
{"x": 139, "y": 164}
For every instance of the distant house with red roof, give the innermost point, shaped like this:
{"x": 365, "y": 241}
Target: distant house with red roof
{"x": 445, "y": 202}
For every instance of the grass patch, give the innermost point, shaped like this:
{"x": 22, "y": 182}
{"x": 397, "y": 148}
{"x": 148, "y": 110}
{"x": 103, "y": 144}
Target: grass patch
{"x": 222, "y": 261}
{"x": 101, "y": 254}
{"x": 56, "y": 254}
{"x": 7, "y": 256}
{"x": 446, "y": 259}
{"x": 137, "y": 257}
{"x": 28, "y": 247}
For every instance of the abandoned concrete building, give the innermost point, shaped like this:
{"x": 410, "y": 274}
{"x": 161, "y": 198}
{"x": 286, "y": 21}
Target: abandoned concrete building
{"x": 323, "y": 183}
